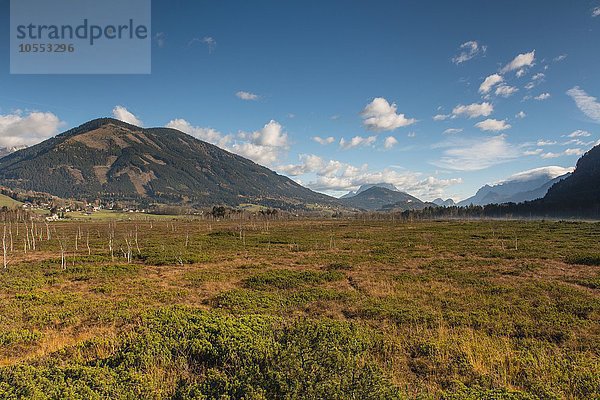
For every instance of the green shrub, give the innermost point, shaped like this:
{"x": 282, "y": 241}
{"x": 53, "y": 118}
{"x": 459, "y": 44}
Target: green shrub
{"x": 287, "y": 279}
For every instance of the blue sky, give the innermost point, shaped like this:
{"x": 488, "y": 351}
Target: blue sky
{"x": 367, "y": 79}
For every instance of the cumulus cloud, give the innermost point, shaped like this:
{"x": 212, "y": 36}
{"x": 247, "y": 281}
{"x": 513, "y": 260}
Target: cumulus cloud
{"x": 332, "y": 175}
{"x": 441, "y": 117}
{"x": 542, "y": 97}
{"x": 247, "y": 96}
{"x": 26, "y": 129}
{"x": 380, "y": 115}
{"x": 596, "y": 12}
{"x": 390, "y": 142}
{"x": 489, "y": 83}
{"x": 506, "y": 91}
{"x": 586, "y": 103}
{"x": 357, "y": 141}
{"x": 123, "y": 114}
{"x": 521, "y": 115}
{"x": 477, "y": 154}
{"x": 473, "y": 110}
{"x": 263, "y": 146}
{"x": 520, "y": 62}
{"x": 493, "y": 125}
{"x": 324, "y": 141}
{"x": 468, "y": 51}
{"x": 209, "y": 135}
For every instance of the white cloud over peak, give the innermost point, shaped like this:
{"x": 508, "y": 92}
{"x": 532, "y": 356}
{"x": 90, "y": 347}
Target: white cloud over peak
{"x": 473, "y": 110}
{"x": 489, "y": 83}
{"x": 493, "y": 125}
{"x": 519, "y": 63}
{"x": 357, "y": 141}
{"x": 324, "y": 141}
{"x": 586, "y": 103}
{"x": 20, "y": 129}
{"x": 551, "y": 171}
{"x": 468, "y": 51}
{"x": 123, "y": 114}
{"x": 247, "y": 96}
{"x": 380, "y": 115}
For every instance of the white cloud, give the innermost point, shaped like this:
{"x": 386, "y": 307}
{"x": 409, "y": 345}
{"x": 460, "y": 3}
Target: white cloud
{"x": 468, "y": 51}
{"x": 535, "y": 152}
{"x": 18, "y": 129}
{"x": 567, "y": 152}
{"x": 473, "y": 110}
{"x": 477, "y": 154}
{"x": 539, "y": 76}
{"x": 560, "y": 58}
{"x": 543, "y": 142}
{"x": 380, "y": 115}
{"x": 551, "y": 171}
{"x": 489, "y": 83}
{"x": 596, "y": 12}
{"x": 440, "y": 117}
{"x": 333, "y": 175}
{"x": 271, "y": 134}
{"x": 390, "y": 142}
{"x": 506, "y": 91}
{"x": 521, "y": 115}
{"x": 493, "y": 125}
{"x": 357, "y": 141}
{"x": 520, "y": 62}
{"x": 209, "y": 135}
{"x": 209, "y": 41}
{"x": 451, "y": 131}
{"x": 324, "y": 141}
{"x": 579, "y": 133}
{"x": 123, "y": 114}
{"x": 586, "y": 103}
{"x": 247, "y": 96}
{"x": 542, "y": 97}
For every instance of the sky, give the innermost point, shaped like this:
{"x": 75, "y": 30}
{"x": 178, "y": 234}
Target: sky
{"x": 435, "y": 97}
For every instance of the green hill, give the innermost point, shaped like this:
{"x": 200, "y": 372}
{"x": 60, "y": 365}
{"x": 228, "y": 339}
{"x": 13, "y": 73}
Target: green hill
{"x": 110, "y": 160}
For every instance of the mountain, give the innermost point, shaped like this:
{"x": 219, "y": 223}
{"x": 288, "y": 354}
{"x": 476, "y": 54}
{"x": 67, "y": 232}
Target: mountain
{"x": 525, "y": 186}
{"x": 444, "y": 203}
{"x": 388, "y": 186}
{"x": 4, "y": 151}
{"x": 578, "y": 194}
{"x": 375, "y": 198}
{"x": 111, "y": 160}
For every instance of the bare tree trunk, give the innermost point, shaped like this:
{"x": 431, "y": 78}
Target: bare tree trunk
{"x": 4, "y": 249}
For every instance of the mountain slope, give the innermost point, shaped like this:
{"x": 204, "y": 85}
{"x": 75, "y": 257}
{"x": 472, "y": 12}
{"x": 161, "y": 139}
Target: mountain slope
{"x": 579, "y": 194}
{"x": 376, "y": 198}
{"x": 112, "y": 160}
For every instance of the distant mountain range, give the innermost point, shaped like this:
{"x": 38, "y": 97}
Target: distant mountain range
{"x": 527, "y": 186}
{"x": 444, "y": 203}
{"x": 381, "y": 198}
{"x": 112, "y": 160}
{"x": 388, "y": 186}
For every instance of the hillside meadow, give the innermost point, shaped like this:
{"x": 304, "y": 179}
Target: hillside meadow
{"x": 307, "y": 309}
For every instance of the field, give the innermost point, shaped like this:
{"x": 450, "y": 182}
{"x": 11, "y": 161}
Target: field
{"x": 182, "y": 309}
{"x": 6, "y": 201}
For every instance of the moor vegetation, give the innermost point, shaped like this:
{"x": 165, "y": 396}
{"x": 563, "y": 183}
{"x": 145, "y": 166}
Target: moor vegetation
{"x": 266, "y": 309}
